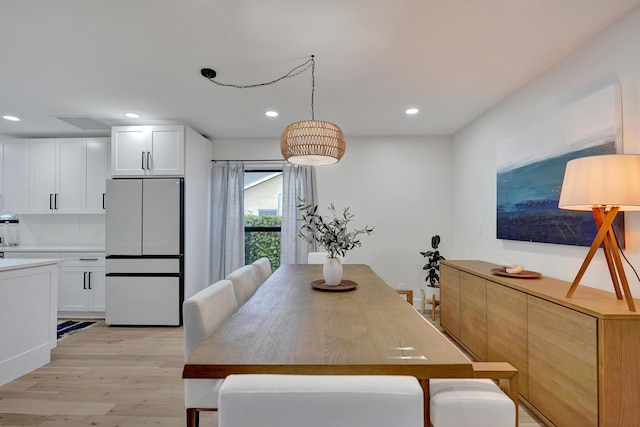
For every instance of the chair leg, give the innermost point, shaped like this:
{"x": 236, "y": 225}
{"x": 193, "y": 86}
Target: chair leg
{"x": 434, "y": 304}
{"x": 193, "y": 417}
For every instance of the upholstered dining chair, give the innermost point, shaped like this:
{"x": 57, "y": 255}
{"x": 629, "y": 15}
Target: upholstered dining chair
{"x": 245, "y": 283}
{"x": 262, "y": 268}
{"x": 316, "y": 257}
{"x": 202, "y": 314}
{"x": 267, "y": 400}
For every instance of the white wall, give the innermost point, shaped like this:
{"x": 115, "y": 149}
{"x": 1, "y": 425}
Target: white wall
{"x": 400, "y": 185}
{"x": 611, "y": 57}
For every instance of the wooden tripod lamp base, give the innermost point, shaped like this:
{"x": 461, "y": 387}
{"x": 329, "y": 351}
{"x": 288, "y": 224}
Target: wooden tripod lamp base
{"x": 606, "y": 239}
{"x": 605, "y": 185}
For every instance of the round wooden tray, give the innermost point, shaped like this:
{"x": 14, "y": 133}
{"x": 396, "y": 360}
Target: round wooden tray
{"x": 524, "y": 274}
{"x": 345, "y": 285}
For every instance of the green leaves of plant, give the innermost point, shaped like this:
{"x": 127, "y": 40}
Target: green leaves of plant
{"x": 330, "y": 232}
{"x": 433, "y": 262}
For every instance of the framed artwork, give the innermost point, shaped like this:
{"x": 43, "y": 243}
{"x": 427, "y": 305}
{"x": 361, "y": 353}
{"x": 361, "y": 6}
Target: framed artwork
{"x": 531, "y": 164}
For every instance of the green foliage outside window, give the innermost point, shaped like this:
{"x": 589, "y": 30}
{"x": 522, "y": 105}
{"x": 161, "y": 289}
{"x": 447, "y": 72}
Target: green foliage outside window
{"x": 258, "y": 244}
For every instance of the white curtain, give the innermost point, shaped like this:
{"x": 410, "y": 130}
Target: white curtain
{"x": 227, "y": 219}
{"x": 299, "y": 182}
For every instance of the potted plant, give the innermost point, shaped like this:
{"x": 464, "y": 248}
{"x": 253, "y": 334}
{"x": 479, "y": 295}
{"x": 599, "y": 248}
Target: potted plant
{"x": 433, "y": 268}
{"x": 332, "y": 234}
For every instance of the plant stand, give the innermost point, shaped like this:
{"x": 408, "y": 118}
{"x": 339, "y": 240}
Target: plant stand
{"x": 433, "y": 301}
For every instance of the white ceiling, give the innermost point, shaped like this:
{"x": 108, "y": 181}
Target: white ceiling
{"x": 452, "y": 59}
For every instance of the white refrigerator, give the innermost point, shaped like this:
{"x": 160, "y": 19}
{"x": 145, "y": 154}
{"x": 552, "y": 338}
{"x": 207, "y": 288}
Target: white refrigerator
{"x": 144, "y": 244}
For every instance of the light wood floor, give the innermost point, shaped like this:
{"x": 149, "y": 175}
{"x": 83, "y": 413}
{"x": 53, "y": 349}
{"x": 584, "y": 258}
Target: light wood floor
{"x": 111, "y": 376}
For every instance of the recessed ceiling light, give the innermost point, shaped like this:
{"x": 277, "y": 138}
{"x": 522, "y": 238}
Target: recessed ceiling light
{"x": 12, "y": 118}
{"x": 411, "y": 111}
{"x": 132, "y": 115}
{"x": 272, "y": 114}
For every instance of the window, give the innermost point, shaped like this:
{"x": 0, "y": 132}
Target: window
{"x": 262, "y": 215}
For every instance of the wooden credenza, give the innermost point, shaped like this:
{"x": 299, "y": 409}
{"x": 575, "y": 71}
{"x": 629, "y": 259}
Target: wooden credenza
{"x": 578, "y": 358}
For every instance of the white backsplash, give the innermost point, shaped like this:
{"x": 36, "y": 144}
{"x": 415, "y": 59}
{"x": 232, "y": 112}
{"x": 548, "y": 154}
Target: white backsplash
{"x": 57, "y": 230}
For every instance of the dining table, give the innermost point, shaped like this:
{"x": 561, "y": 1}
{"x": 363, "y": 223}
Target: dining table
{"x": 291, "y": 327}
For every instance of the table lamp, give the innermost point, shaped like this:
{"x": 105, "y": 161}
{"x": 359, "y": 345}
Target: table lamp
{"x": 605, "y": 185}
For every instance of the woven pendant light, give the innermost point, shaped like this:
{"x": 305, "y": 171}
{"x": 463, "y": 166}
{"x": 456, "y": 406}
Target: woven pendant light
{"x": 312, "y": 142}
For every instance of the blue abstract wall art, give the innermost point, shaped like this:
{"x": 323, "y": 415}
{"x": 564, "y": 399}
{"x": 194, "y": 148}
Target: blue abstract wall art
{"x": 531, "y": 166}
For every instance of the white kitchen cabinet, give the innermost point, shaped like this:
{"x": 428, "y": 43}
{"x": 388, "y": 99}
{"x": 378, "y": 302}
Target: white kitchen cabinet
{"x": 82, "y": 283}
{"x": 15, "y": 177}
{"x": 147, "y": 151}
{"x": 67, "y": 175}
{"x": 96, "y": 171}
{"x": 81, "y": 289}
{"x": 56, "y": 175}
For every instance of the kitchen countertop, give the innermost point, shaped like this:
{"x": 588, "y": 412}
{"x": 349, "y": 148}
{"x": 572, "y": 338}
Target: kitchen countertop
{"x": 20, "y": 248}
{"x": 14, "y": 264}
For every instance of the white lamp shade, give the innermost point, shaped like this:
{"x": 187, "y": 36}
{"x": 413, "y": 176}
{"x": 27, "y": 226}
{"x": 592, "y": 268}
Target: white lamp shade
{"x": 602, "y": 181}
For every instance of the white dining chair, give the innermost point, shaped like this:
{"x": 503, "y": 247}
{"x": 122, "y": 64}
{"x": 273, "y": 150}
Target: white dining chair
{"x": 263, "y": 400}
{"x": 262, "y": 268}
{"x": 469, "y": 402}
{"x": 316, "y": 257}
{"x": 245, "y": 283}
{"x": 202, "y": 314}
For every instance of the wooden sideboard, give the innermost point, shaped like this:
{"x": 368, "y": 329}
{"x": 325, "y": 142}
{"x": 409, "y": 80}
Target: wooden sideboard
{"x": 578, "y": 358}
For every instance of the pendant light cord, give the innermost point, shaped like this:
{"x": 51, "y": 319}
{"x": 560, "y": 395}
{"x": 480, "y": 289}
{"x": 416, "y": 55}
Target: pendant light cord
{"x": 310, "y": 63}
{"x": 313, "y": 85}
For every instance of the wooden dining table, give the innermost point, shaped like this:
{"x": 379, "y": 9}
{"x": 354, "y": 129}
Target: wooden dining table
{"x": 288, "y": 327}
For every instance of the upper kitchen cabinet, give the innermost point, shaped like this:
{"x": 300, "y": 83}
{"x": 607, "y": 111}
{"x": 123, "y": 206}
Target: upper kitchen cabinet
{"x": 95, "y": 156}
{"x": 15, "y": 177}
{"x": 67, "y": 175}
{"x": 147, "y": 151}
{"x": 55, "y": 167}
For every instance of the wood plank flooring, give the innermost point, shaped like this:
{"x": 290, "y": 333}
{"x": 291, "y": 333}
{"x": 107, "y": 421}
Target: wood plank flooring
{"x": 112, "y": 377}
{"x": 104, "y": 376}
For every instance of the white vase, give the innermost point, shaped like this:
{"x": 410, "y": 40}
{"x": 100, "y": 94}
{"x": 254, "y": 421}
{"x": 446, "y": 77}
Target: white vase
{"x": 332, "y": 271}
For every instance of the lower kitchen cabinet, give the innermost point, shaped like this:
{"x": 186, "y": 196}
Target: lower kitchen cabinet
{"x": 577, "y": 357}
{"x": 81, "y": 289}
{"x": 81, "y": 281}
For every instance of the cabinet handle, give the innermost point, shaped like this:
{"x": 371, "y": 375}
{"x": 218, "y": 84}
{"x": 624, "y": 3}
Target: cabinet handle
{"x": 148, "y": 160}
{"x": 50, "y": 200}
{"x": 84, "y": 284}
{"x": 104, "y": 200}
{"x": 143, "y": 167}
{"x": 55, "y": 201}
{"x": 88, "y": 259}
{"x": 89, "y": 280}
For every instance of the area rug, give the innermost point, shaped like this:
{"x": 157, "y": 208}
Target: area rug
{"x": 68, "y": 327}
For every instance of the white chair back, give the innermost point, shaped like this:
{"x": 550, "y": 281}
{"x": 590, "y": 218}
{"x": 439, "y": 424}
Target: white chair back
{"x": 316, "y": 257}
{"x": 205, "y": 311}
{"x": 244, "y": 283}
{"x": 202, "y": 314}
{"x": 262, "y": 269}
{"x": 320, "y": 401}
